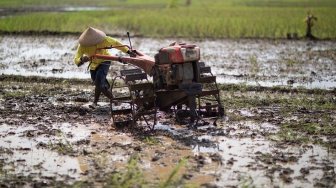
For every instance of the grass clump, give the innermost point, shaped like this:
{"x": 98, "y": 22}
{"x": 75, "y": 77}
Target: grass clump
{"x": 308, "y": 132}
{"x": 170, "y": 182}
{"x": 289, "y": 135}
{"x": 246, "y": 182}
{"x": 133, "y": 176}
{"x": 62, "y": 146}
{"x": 13, "y": 94}
{"x": 254, "y": 65}
{"x": 150, "y": 140}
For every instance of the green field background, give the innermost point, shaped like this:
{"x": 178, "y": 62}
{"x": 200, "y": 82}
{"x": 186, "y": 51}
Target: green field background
{"x": 176, "y": 18}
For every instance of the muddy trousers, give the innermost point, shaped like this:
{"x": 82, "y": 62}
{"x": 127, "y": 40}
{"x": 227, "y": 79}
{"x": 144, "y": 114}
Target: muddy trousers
{"x": 98, "y": 77}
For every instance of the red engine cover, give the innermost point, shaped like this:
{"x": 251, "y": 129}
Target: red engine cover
{"x": 178, "y": 54}
{"x": 175, "y": 53}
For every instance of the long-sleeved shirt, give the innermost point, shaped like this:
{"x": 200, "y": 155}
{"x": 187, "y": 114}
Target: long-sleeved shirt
{"x": 91, "y": 50}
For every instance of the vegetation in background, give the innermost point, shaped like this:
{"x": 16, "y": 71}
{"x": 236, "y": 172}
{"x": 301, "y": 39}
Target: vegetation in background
{"x": 179, "y": 18}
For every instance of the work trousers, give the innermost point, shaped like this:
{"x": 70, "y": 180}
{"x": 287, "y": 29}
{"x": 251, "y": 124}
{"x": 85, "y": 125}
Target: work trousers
{"x": 98, "y": 77}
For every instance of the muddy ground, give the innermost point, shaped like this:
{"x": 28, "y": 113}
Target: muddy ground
{"x": 293, "y": 63}
{"x": 282, "y": 135}
{"x": 269, "y": 137}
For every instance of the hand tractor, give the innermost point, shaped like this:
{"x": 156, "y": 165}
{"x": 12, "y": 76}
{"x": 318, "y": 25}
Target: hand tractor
{"x": 181, "y": 84}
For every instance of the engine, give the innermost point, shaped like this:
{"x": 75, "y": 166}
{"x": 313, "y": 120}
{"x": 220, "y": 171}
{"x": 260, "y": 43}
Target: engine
{"x": 176, "y": 66}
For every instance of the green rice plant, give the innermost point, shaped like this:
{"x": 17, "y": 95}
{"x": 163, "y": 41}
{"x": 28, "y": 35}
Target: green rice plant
{"x": 246, "y": 182}
{"x": 170, "y": 182}
{"x": 173, "y": 4}
{"x": 254, "y": 64}
{"x": 2, "y": 171}
{"x": 298, "y": 131}
{"x": 218, "y": 19}
{"x": 13, "y": 94}
{"x": 131, "y": 177}
{"x": 150, "y": 140}
{"x": 62, "y": 146}
{"x": 101, "y": 160}
{"x": 289, "y": 135}
{"x": 290, "y": 63}
{"x": 79, "y": 184}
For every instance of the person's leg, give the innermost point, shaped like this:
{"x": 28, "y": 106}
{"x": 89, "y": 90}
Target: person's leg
{"x": 101, "y": 81}
{"x": 97, "y": 89}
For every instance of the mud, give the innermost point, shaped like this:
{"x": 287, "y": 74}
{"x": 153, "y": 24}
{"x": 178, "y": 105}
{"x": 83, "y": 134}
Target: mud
{"x": 267, "y": 63}
{"x": 50, "y": 137}
{"x": 270, "y": 136}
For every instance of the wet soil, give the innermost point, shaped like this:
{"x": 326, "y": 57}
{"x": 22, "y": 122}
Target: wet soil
{"x": 279, "y": 129}
{"x": 252, "y": 62}
{"x": 268, "y": 138}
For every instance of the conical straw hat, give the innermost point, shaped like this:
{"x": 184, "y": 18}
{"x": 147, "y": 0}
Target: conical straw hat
{"x": 91, "y": 37}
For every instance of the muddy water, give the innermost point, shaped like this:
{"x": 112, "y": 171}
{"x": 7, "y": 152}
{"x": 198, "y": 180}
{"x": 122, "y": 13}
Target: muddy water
{"x": 28, "y": 158}
{"x": 253, "y": 62}
{"x": 50, "y": 153}
{"x": 245, "y": 157}
{"x": 241, "y": 167}
{"x": 49, "y": 136}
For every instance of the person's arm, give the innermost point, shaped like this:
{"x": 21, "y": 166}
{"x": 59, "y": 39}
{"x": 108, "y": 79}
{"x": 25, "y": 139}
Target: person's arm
{"x": 80, "y": 58}
{"x": 114, "y": 42}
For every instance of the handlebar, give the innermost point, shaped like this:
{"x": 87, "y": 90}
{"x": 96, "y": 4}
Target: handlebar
{"x": 142, "y": 61}
{"x": 111, "y": 47}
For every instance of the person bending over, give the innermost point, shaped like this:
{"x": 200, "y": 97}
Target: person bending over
{"x": 89, "y": 41}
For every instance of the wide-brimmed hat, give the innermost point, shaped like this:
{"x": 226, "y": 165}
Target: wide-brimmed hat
{"x": 91, "y": 37}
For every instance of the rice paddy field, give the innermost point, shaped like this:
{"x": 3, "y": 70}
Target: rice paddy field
{"x": 278, "y": 92}
{"x": 172, "y": 18}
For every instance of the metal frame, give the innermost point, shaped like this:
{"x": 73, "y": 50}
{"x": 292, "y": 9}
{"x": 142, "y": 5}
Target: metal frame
{"x": 131, "y": 79}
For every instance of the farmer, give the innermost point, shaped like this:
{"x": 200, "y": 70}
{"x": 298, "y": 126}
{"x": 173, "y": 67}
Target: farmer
{"x": 310, "y": 19}
{"x": 89, "y": 41}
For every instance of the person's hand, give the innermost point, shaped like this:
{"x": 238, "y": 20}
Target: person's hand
{"x": 83, "y": 60}
{"x": 131, "y": 53}
{"x": 80, "y": 64}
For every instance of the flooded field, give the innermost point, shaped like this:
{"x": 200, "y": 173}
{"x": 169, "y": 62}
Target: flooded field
{"x": 270, "y": 137}
{"x": 308, "y": 64}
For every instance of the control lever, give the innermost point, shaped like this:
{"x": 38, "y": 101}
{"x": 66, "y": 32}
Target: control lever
{"x": 129, "y": 39}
